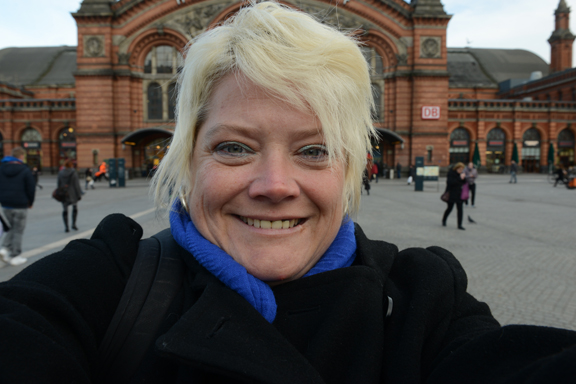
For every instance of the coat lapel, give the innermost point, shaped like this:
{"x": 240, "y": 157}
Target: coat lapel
{"x": 223, "y": 333}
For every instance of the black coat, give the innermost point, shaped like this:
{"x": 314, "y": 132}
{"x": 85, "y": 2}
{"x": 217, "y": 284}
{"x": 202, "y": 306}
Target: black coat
{"x": 454, "y": 185}
{"x": 17, "y": 185}
{"x": 329, "y": 328}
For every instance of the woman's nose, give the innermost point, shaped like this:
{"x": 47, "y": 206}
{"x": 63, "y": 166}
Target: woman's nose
{"x": 275, "y": 179}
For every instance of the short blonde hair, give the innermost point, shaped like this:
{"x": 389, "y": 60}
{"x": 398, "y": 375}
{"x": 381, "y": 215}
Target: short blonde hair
{"x": 294, "y": 58}
{"x": 458, "y": 165}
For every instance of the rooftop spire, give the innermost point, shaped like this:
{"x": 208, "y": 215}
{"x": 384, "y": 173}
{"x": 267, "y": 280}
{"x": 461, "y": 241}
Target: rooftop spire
{"x": 562, "y": 8}
{"x": 428, "y": 8}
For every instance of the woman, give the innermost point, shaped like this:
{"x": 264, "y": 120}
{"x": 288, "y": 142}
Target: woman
{"x": 68, "y": 177}
{"x": 454, "y": 182}
{"x": 279, "y": 285}
{"x": 471, "y": 175}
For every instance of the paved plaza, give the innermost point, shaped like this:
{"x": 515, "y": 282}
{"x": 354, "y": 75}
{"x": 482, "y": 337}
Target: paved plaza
{"x": 520, "y": 256}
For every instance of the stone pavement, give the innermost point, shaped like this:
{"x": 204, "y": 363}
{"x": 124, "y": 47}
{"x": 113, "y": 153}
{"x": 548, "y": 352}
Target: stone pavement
{"x": 520, "y": 256}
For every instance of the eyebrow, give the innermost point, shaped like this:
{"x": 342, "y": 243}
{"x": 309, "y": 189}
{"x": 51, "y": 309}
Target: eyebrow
{"x": 298, "y": 135}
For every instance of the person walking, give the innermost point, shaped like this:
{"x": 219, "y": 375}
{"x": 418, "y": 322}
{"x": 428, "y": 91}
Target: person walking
{"x": 36, "y": 174}
{"x": 454, "y": 182}
{"x": 561, "y": 176}
{"x": 411, "y": 175}
{"x": 89, "y": 179}
{"x": 398, "y": 170}
{"x": 471, "y": 175}
{"x": 17, "y": 192}
{"x": 513, "y": 170}
{"x": 69, "y": 177}
{"x": 375, "y": 171}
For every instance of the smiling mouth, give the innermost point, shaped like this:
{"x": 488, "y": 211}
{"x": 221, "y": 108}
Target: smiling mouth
{"x": 277, "y": 224}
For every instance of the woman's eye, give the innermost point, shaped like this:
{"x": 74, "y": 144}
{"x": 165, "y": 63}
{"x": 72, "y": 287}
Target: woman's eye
{"x": 314, "y": 152}
{"x": 231, "y": 148}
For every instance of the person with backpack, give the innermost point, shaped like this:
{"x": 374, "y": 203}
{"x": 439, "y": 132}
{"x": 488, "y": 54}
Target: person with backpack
{"x": 17, "y": 193}
{"x": 68, "y": 178}
{"x": 263, "y": 277}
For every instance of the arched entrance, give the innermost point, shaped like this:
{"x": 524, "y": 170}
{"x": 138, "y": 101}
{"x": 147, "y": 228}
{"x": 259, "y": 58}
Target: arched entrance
{"x": 495, "y": 149}
{"x": 384, "y": 150}
{"x": 531, "y": 150}
{"x": 566, "y": 147}
{"x": 66, "y": 145}
{"x": 32, "y": 144}
{"x": 459, "y": 146}
{"x": 148, "y": 147}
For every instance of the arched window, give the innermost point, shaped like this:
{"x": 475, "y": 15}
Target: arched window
{"x": 31, "y": 135}
{"x": 459, "y": 146}
{"x": 32, "y": 144}
{"x": 376, "y": 69}
{"x": 162, "y": 59}
{"x": 67, "y": 144}
{"x": 154, "y": 101}
{"x": 377, "y": 111}
{"x": 531, "y": 150}
{"x": 374, "y": 60}
{"x": 171, "y": 100}
{"x": 566, "y": 144}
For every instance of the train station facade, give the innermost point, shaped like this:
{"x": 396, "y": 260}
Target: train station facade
{"x": 113, "y": 95}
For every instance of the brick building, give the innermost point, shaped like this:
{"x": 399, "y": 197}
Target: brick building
{"x": 113, "y": 94}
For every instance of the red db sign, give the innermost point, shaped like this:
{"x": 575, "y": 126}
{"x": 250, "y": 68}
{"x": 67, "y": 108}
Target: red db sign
{"x": 430, "y": 113}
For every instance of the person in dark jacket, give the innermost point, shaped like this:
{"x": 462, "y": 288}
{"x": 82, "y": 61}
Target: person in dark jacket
{"x": 454, "y": 182}
{"x": 513, "y": 172}
{"x": 17, "y": 191}
{"x": 278, "y": 284}
{"x": 69, "y": 177}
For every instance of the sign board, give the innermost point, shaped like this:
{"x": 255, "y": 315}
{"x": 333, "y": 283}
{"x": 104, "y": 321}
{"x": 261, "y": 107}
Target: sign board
{"x": 31, "y": 144}
{"x": 430, "y": 113}
{"x": 431, "y": 173}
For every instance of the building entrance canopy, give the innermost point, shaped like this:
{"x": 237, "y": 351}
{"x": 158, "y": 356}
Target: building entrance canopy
{"x": 135, "y": 137}
{"x": 389, "y": 136}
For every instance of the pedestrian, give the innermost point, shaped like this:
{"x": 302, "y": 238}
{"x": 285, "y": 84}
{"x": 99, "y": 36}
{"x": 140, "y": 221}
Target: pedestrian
{"x": 561, "y": 175}
{"x": 89, "y": 176}
{"x": 366, "y": 181}
{"x": 398, "y": 170}
{"x": 411, "y": 174}
{"x": 513, "y": 170}
{"x": 69, "y": 177}
{"x": 36, "y": 175}
{"x": 454, "y": 182}
{"x": 17, "y": 192}
{"x": 375, "y": 171}
{"x": 101, "y": 173}
{"x": 471, "y": 175}
{"x": 263, "y": 276}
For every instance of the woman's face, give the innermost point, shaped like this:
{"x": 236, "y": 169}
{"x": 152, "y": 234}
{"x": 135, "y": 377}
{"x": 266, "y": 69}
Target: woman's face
{"x": 262, "y": 187}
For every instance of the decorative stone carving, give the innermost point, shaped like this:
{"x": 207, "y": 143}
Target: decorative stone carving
{"x": 402, "y": 59}
{"x": 334, "y": 17}
{"x": 118, "y": 39}
{"x": 195, "y": 21}
{"x": 124, "y": 58}
{"x": 94, "y": 46}
{"x": 430, "y": 47}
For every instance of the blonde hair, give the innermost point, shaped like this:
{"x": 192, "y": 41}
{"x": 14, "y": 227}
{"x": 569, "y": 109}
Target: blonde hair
{"x": 458, "y": 165}
{"x": 295, "y": 59}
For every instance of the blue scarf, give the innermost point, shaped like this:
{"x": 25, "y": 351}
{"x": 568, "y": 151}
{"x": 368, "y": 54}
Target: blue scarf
{"x": 340, "y": 254}
{"x": 8, "y": 159}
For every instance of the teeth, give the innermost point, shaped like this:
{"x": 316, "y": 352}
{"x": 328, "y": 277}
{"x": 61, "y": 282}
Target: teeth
{"x": 265, "y": 224}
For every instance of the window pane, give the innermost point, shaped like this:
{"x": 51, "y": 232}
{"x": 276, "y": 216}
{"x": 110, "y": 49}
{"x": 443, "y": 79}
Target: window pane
{"x": 148, "y": 63}
{"x": 377, "y": 93}
{"x": 30, "y": 134}
{"x": 379, "y": 66}
{"x": 164, "y": 59}
{"x": 171, "y": 100}
{"x": 154, "y": 102}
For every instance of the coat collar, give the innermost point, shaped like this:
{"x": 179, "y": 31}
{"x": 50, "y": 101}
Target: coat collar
{"x": 222, "y": 332}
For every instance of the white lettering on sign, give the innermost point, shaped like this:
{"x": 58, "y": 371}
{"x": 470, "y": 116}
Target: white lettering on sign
{"x": 430, "y": 113}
